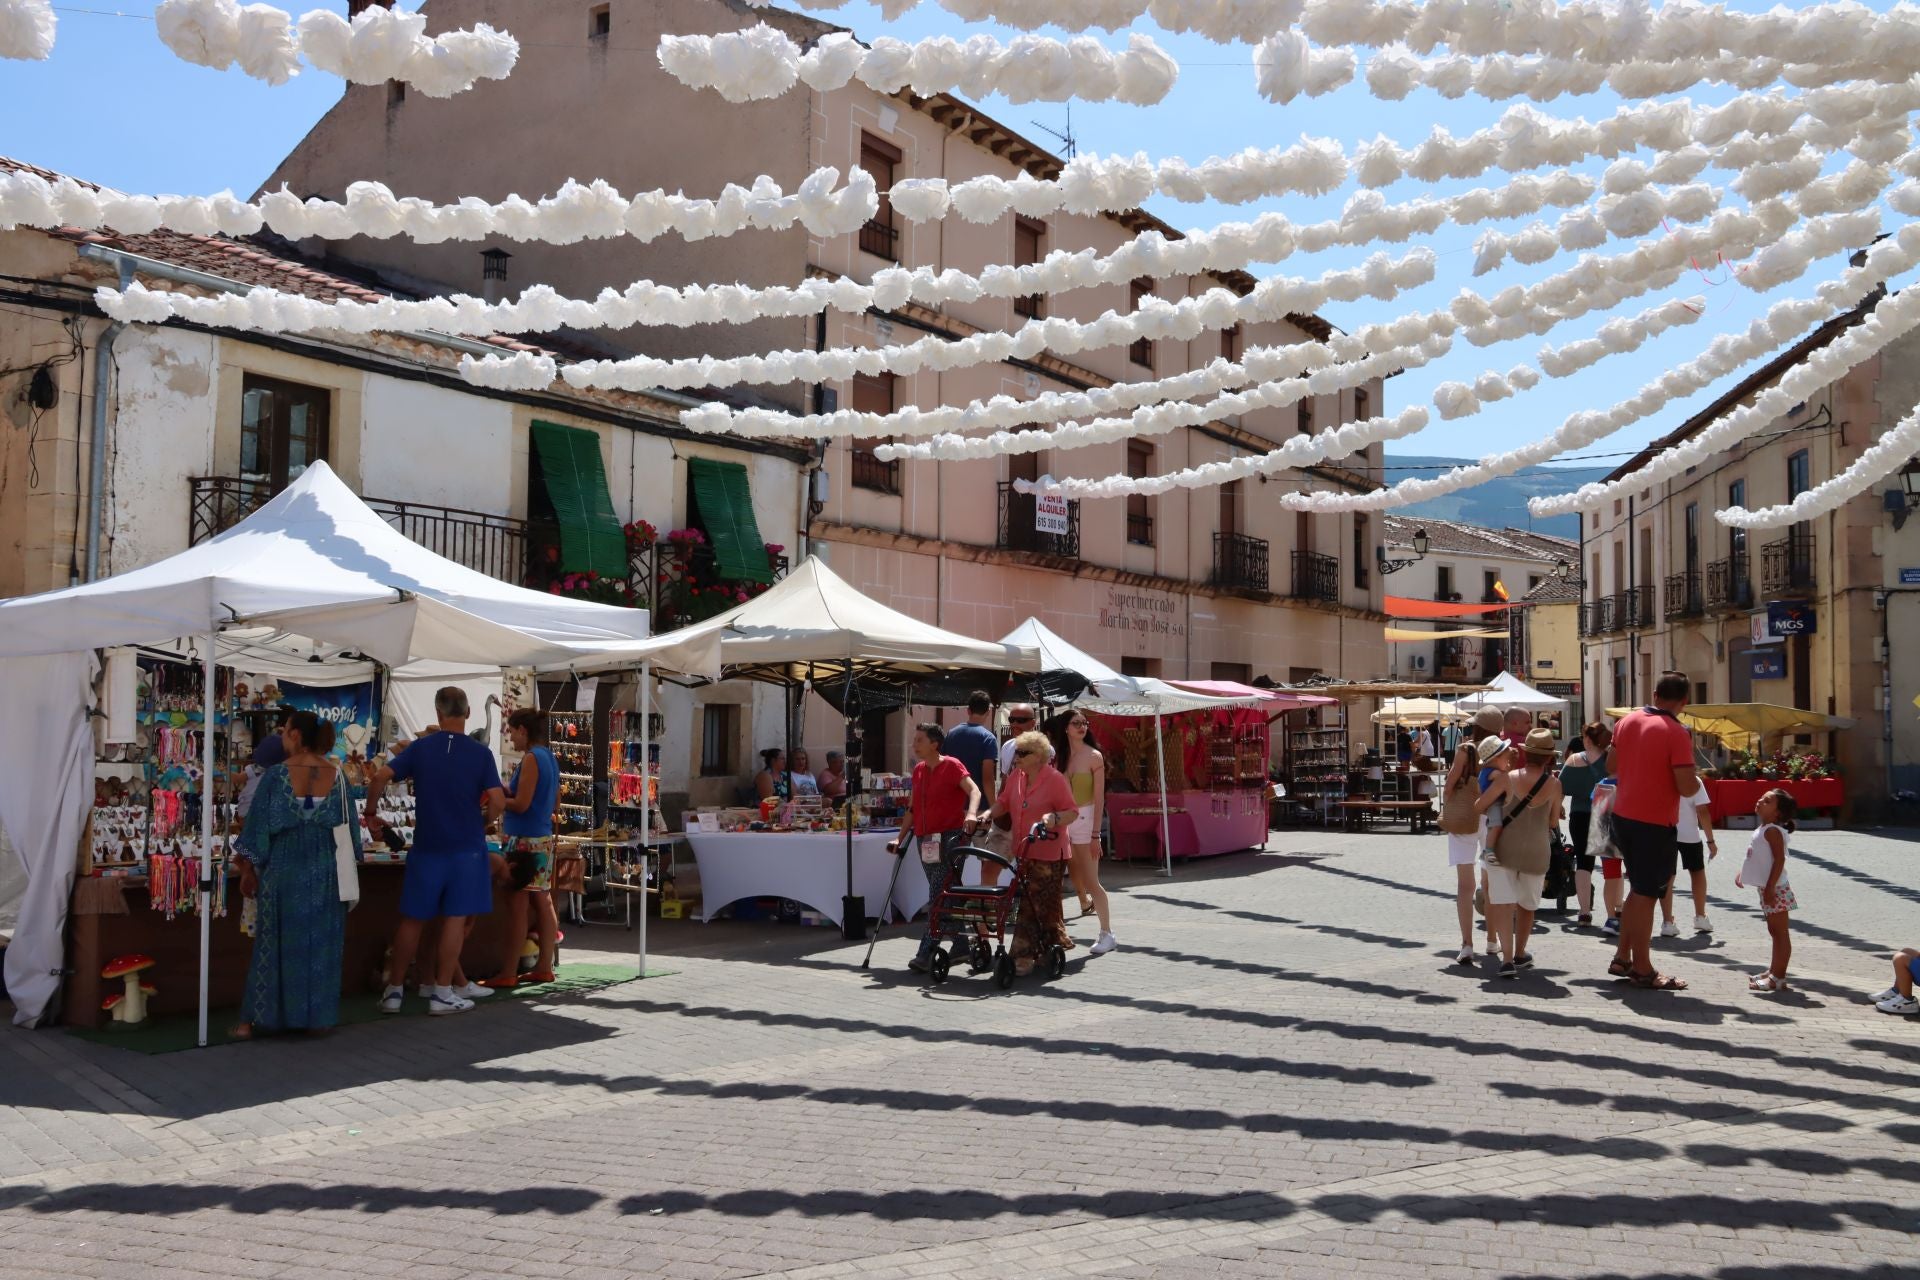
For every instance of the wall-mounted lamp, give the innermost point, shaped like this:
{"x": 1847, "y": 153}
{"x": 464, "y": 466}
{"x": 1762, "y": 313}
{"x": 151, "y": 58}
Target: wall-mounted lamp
{"x": 1395, "y": 566}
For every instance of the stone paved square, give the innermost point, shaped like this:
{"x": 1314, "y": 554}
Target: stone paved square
{"x": 1278, "y": 1074}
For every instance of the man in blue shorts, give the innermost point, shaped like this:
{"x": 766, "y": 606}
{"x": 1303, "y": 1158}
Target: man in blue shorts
{"x": 456, "y": 793}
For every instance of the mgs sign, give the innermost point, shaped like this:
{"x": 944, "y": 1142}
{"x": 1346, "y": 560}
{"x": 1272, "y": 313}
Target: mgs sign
{"x": 1790, "y": 618}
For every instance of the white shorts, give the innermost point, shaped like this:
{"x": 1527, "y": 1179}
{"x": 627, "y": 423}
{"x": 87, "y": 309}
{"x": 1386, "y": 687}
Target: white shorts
{"x": 1080, "y": 830}
{"x": 1508, "y": 888}
{"x": 1462, "y": 851}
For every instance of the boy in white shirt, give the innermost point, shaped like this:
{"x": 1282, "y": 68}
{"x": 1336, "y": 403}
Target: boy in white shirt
{"x": 1695, "y": 837}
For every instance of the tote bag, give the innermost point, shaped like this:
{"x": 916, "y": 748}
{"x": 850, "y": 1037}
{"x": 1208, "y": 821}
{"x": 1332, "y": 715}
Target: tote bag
{"x": 1457, "y": 817}
{"x": 344, "y": 867}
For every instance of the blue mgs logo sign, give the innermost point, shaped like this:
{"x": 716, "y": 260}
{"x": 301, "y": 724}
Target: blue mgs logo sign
{"x": 1790, "y": 618}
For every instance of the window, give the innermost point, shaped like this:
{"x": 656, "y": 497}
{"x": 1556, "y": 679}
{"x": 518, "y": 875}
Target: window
{"x": 880, "y": 237}
{"x": 1699, "y": 690}
{"x": 874, "y": 394}
{"x": 1533, "y": 580}
{"x": 1799, "y": 475}
{"x": 1362, "y": 555}
{"x": 1141, "y": 352}
{"x": 1443, "y": 584}
{"x": 1362, "y": 404}
{"x": 284, "y": 429}
{"x": 1489, "y": 579}
{"x": 1693, "y": 539}
{"x": 1237, "y": 672}
{"x": 1230, "y": 344}
{"x": 570, "y": 509}
{"x": 600, "y": 22}
{"x": 1737, "y": 538}
{"x": 1230, "y": 497}
{"x": 396, "y": 93}
{"x": 1139, "y": 505}
{"x": 722, "y": 508}
{"x": 1622, "y": 696}
{"x": 1028, "y": 240}
{"x": 1144, "y": 667}
{"x": 719, "y": 729}
{"x": 1303, "y": 416}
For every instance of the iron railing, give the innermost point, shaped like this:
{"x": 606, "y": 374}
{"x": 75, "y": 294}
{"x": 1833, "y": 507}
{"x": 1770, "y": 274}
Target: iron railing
{"x": 871, "y": 473}
{"x": 881, "y": 239}
{"x": 1140, "y": 351}
{"x": 1240, "y": 562}
{"x": 493, "y": 545}
{"x": 1599, "y": 617}
{"x": 1786, "y": 566}
{"x": 1635, "y": 609}
{"x": 1685, "y": 599}
{"x": 1017, "y": 532}
{"x": 1315, "y": 576}
{"x": 1728, "y": 586}
{"x": 1139, "y": 530}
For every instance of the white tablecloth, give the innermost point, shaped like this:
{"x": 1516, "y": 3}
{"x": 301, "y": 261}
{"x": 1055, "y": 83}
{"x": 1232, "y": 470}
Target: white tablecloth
{"x": 809, "y": 867}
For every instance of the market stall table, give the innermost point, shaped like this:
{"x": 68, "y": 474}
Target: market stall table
{"x": 1735, "y": 797}
{"x": 810, "y": 867}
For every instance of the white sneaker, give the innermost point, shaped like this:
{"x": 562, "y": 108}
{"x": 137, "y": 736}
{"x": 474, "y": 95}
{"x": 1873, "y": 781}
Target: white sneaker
{"x": 473, "y": 991}
{"x": 1905, "y": 1005}
{"x": 1104, "y": 944}
{"x": 1465, "y": 957}
{"x": 1888, "y": 994}
{"x": 1702, "y": 925}
{"x": 391, "y": 998}
{"x": 1669, "y": 930}
{"x": 439, "y": 1006}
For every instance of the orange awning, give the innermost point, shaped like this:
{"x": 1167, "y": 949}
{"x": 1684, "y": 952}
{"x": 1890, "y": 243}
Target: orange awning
{"x": 1402, "y": 607}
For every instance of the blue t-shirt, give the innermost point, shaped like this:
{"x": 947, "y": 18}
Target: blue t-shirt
{"x": 450, "y": 772}
{"x": 972, "y": 745}
{"x": 537, "y": 821}
{"x": 269, "y": 751}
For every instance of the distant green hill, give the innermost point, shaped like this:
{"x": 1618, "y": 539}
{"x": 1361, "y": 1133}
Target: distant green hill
{"x": 1497, "y": 503}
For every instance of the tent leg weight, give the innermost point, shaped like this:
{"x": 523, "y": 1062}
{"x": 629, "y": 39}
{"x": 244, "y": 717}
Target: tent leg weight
{"x": 853, "y": 918}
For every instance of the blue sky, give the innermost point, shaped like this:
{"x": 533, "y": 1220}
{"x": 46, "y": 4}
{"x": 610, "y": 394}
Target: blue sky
{"x": 113, "y": 105}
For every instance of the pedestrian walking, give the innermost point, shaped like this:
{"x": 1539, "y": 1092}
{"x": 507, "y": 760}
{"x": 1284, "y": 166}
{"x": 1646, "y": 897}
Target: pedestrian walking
{"x": 1651, "y": 761}
{"x": 1462, "y": 827}
{"x": 1529, "y": 797}
{"x": 942, "y": 802}
{"x": 1766, "y": 870}
{"x": 1694, "y": 836}
{"x": 1086, "y": 771}
{"x": 1579, "y": 775}
{"x": 1039, "y": 802}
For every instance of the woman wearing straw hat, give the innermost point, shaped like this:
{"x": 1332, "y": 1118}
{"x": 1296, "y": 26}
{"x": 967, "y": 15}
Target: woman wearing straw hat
{"x": 1529, "y": 801}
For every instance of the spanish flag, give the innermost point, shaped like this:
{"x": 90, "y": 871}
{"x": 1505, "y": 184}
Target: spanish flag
{"x": 1500, "y": 589}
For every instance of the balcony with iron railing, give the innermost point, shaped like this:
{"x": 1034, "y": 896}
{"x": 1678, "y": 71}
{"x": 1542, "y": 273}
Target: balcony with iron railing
{"x": 1240, "y": 563}
{"x": 1728, "y": 585}
{"x": 1139, "y": 529}
{"x": 1600, "y": 617}
{"x": 1018, "y": 517}
{"x": 1786, "y": 566}
{"x": 869, "y": 472}
{"x": 1635, "y": 609}
{"x": 493, "y": 545}
{"x": 1316, "y": 577}
{"x": 1685, "y": 598}
{"x": 881, "y": 239}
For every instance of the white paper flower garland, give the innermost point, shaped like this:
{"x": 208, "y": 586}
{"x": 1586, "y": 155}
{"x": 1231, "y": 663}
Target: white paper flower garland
{"x": 26, "y": 29}
{"x": 577, "y": 212}
{"x": 378, "y": 45}
{"x": 1890, "y": 453}
{"x": 760, "y": 62}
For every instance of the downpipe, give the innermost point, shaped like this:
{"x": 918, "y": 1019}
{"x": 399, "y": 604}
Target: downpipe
{"x": 102, "y": 376}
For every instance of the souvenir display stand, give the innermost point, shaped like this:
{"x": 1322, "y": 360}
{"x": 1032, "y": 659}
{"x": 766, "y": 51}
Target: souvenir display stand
{"x": 1316, "y": 764}
{"x": 289, "y": 591}
{"x": 1215, "y": 797}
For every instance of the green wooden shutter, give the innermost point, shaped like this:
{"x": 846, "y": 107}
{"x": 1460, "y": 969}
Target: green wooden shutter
{"x": 590, "y": 535}
{"x": 726, "y": 508}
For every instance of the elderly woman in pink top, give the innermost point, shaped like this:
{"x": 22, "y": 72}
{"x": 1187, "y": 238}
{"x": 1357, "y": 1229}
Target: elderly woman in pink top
{"x": 1036, "y": 792}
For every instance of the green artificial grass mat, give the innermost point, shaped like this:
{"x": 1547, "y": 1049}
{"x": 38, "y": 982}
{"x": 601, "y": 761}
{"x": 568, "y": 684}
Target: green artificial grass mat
{"x": 182, "y": 1031}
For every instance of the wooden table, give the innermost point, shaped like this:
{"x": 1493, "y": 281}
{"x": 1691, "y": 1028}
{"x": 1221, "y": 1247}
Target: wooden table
{"x": 1417, "y": 812}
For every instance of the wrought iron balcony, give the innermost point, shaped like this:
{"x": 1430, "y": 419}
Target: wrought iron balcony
{"x": 1685, "y": 599}
{"x": 871, "y": 473}
{"x": 1635, "y": 609}
{"x": 1316, "y": 577}
{"x": 881, "y": 239}
{"x": 1786, "y": 566}
{"x": 1017, "y": 531}
{"x": 1240, "y": 563}
{"x": 494, "y": 545}
{"x": 1728, "y": 585}
{"x": 1139, "y": 530}
{"x": 1600, "y": 617}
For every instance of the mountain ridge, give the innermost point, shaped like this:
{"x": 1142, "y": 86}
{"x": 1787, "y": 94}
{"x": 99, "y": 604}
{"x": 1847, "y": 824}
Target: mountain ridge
{"x": 1499, "y": 503}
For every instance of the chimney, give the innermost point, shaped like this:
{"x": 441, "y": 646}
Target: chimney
{"x": 357, "y": 7}
{"x": 493, "y": 274}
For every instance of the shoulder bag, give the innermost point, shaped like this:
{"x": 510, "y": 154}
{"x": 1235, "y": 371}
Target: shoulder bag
{"x": 345, "y": 868}
{"x": 1457, "y": 817}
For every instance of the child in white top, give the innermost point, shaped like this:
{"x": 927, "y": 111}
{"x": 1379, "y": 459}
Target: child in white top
{"x": 1766, "y": 870}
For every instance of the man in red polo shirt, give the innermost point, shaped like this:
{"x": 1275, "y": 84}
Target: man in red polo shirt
{"x": 1651, "y": 760}
{"x": 944, "y": 797}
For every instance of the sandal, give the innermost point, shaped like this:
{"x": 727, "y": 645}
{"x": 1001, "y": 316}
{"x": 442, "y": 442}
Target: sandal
{"x": 1656, "y": 981}
{"x": 1766, "y": 984}
{"x": 1621, "y": 967}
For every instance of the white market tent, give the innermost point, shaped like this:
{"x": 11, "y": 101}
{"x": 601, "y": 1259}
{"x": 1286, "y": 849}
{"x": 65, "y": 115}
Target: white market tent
{"x": 1508, "y": 691}
{"x": 1114, "y": 694}
{"x": 314, "y": 573}
{"x": 1411, "y": 712}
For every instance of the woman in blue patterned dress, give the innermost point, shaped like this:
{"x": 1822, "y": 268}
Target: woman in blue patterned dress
{"x": 293, "y": 980}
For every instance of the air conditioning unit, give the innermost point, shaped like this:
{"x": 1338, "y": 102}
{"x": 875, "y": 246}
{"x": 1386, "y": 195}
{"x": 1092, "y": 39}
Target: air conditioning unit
{"x": 1419, "y": 662}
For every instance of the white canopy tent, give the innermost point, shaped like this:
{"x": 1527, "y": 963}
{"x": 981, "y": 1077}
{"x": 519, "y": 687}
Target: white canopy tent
{"x": 1120, "y": 695}
{"x": 314, "y": 573}
{"x": 1408, "y": 712}
{"x": 1508, "y": 691}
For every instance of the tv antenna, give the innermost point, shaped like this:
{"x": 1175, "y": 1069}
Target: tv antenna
{"x": 1068, "y": 142}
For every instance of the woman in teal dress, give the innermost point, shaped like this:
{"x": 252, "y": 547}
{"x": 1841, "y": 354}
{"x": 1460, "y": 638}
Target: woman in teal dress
{"x": 293, "y": 980}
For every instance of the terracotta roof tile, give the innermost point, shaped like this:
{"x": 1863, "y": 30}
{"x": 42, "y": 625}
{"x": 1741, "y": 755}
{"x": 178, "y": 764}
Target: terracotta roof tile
{"x": 1460, "y": 538}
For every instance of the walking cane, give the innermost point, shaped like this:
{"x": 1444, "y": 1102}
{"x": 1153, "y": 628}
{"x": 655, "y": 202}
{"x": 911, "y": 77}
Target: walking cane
{"x": 900, "y": 860}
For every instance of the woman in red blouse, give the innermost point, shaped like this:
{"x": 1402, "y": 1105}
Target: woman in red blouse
{"x": 1036, "y": 792}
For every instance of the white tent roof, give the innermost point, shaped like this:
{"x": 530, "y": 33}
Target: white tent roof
{"x": 1112, "y": 692}
{"x": 1418, "y": 711}
{"x": 813, "y": 616}
{"x": 315, "y": 571}
{"x": 1508, "y": 690}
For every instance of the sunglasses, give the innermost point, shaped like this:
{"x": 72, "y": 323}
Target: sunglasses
{"x": 1025, "y": 751}
{"x": 1076, "y": 724}
{"x": 1019, "y": 719}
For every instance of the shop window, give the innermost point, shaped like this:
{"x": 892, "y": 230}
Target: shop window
{"x": 880, "y": 236}
{"x": 1141, "y": 352}
{"x": 1029, "y": 240}
{"x": 874, "y": 393}
{"x": 284, "y": 429}
{"x": 719, "y": 731}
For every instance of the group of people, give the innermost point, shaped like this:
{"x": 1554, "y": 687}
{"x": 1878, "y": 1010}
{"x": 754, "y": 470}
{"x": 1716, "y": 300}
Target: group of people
{"x": 1634, "y": 803}
{"x": 1046, "y": 790}
{"x": 300, "y": 811}
{"x": 782, "y": 779}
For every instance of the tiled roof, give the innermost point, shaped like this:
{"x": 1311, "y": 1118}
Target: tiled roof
{"x": 1459, "y": 538}
{"x": 1555, "y": 590}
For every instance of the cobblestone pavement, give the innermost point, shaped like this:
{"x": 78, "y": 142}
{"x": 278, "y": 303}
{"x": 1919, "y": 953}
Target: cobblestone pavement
{"x": 1279, "y": 1074}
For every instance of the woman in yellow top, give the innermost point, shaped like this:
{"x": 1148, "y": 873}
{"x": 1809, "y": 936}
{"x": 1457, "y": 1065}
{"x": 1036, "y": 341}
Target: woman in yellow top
{"x": 1086, "y": 771}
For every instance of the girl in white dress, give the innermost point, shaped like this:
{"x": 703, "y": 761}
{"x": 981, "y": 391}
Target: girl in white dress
{"x": 1766, "y": 870}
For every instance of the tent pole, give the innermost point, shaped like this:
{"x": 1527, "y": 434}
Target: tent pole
{"x": 1166, "y": 825}
{"x": 853, "y": 909}
{"x": 206, "y": 830}
{"x": 646, "y": 803}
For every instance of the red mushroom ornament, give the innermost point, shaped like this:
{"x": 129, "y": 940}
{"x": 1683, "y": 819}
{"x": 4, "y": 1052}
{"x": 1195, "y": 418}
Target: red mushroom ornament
{"x": 130, "y": 1006}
